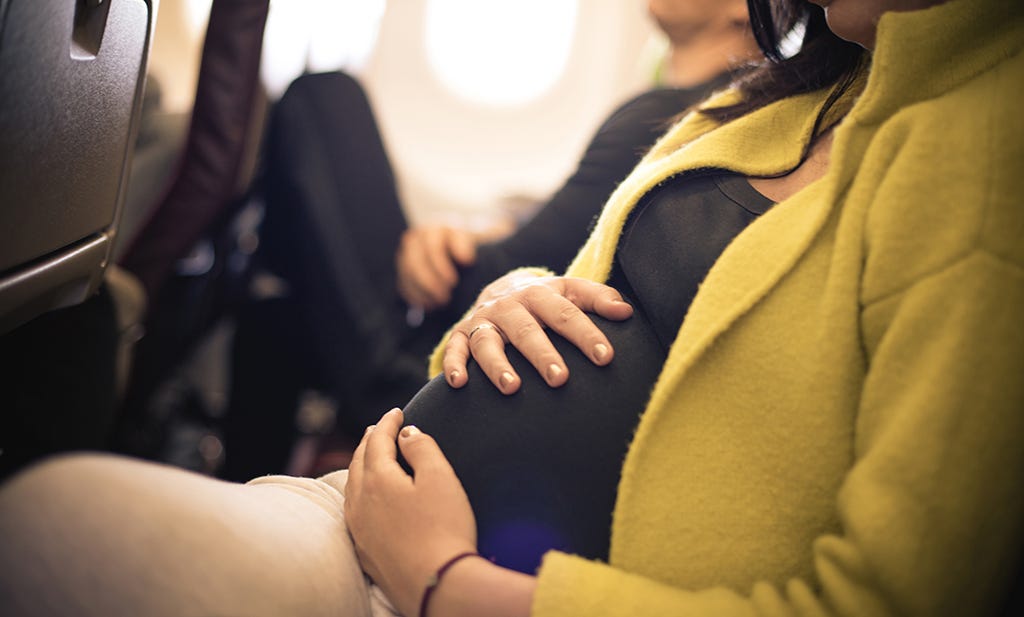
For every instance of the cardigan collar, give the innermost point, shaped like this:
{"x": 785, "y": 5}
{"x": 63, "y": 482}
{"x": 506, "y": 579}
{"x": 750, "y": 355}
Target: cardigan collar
{"x": 696, "y": 144}
{"x": 949, "y": 43}
{"x": 919, "y": 55}
{"x": 775, "y": 136}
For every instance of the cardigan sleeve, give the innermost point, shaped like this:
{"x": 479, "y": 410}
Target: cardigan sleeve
{"x": 931, "y": 509}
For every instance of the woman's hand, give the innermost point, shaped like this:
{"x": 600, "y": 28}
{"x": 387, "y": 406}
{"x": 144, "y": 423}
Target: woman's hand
{"x": 404, "y": 527}
{"x": 515, "y": 309}
{"x": 427, "y": 263}
{"x": 429, "y": 257}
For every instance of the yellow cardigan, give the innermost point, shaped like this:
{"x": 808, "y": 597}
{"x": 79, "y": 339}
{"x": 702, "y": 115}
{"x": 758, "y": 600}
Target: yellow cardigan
{"x": 839, "y": 426}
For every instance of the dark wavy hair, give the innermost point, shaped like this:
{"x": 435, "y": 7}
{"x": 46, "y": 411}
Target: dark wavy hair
{"x": 823, "y": 59}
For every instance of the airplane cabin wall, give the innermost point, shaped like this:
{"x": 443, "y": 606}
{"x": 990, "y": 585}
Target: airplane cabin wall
{"x": 456, "y": 161}
{"x": 461, "y": 161}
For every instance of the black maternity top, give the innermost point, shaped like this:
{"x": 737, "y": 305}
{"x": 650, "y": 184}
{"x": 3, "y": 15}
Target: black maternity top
{"x": 541, "y": 467}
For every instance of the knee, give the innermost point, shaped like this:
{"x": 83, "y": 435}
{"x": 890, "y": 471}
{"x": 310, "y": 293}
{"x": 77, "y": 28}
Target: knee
{"x": 55, "y": 474}
{"x": 49, "y": 491}
{"x": 342, "y": 89}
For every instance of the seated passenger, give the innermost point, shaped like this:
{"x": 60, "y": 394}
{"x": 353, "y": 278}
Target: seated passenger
{"x": 335, "y": 231}
{"x": 835, "y": 428}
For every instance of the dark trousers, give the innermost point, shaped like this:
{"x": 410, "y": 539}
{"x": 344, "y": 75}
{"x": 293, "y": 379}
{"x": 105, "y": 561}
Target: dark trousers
{"x": 332, "y": 225}
{"x": 58, "y": 375}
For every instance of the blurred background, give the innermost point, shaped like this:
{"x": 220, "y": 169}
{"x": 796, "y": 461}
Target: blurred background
{"x": 485, "y": 108}
{"x": 478, "y": 118}
{"x": 194, "y": 322}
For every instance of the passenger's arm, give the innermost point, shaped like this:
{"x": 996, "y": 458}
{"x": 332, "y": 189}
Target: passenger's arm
{"x": 551, "y": 238}
{"x": 406, "y": 527}
{"x": 515, "y": 309}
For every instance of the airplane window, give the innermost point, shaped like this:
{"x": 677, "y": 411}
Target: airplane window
{"x": 499, "y": 53}
{"x": 318, "y": 35}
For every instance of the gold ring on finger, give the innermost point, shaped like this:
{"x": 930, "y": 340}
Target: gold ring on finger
{"x": 483, "y": 326}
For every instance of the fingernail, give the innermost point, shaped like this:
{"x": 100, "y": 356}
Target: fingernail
{"x": 410, "y": 430}
{"x": 370, "y": 428}
{"x": 392, "y": 411}
{"x": 554, "y": 372}
{"x": 506, "y": 379}
{"x": 600, "y": 351}
{"x": 453, "y": 376}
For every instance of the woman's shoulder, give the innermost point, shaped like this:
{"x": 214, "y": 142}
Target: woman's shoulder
{"x": 990, "y": 98}
{"x": 946, "y": 177}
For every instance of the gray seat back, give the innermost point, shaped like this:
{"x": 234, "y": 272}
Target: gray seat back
{"x": 71, "y": 81}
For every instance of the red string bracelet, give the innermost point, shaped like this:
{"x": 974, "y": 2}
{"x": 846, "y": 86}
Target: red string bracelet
{"x": 435, "y": 580}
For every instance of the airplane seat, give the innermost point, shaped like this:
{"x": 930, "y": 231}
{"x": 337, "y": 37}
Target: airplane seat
{"x": 71, "y": 81}
{"x": 190, "y": 251}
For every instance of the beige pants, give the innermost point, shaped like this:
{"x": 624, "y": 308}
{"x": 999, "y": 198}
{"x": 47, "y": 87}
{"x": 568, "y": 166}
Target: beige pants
{"x": 103, "y": 535}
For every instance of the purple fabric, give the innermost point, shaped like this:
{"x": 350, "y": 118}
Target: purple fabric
{"x": 206, "y": 182}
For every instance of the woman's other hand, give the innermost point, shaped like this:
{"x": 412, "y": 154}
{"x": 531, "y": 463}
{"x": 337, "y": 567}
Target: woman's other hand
{"x": 427, "y": 263}
{"x": 405, "y": 527}
{"x": 515, "y": 309}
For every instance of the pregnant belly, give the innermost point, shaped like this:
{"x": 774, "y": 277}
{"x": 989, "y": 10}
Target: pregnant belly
{"x": 541, "y": 467}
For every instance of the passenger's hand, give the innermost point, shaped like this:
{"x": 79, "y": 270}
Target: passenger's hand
{"x": 515, "y": 309}
{"x": 405, "y": 528}
{"x": 427, "y": 262}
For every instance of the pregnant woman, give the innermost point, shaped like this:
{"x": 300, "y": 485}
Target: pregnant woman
{"x": 540, "y": 463}
{"x": 833, "y": 427}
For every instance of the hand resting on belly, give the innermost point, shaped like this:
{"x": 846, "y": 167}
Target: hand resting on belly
{"x": 541, "y": 466}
